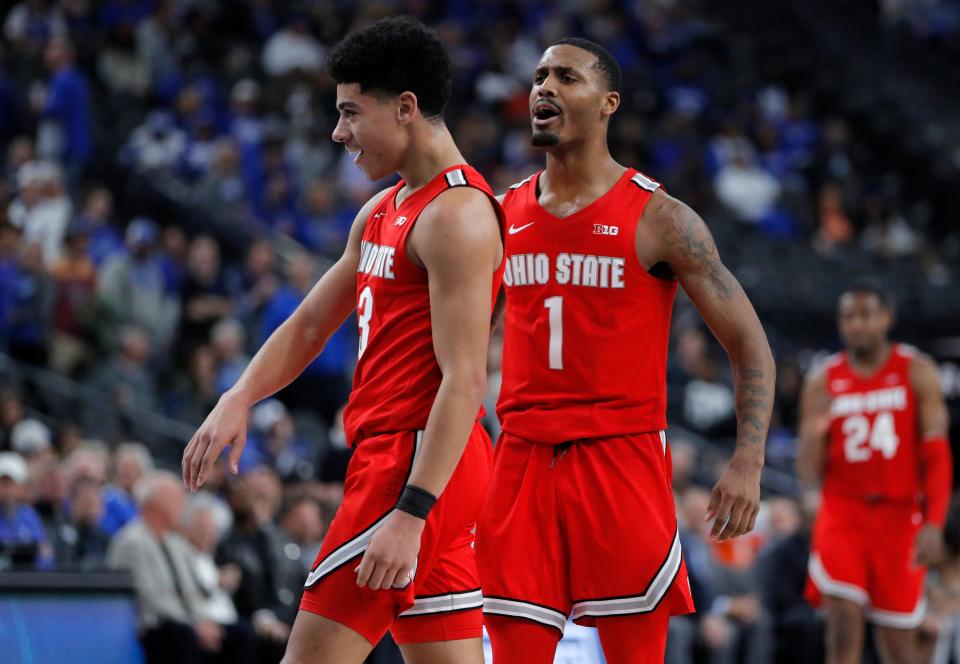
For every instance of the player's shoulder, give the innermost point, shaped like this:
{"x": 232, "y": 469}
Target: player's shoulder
{"x": 920, "y": 364}
{"x": 821, "y": 367}
{"x": 453, "y": 216}
{"x": 516, "y": 191}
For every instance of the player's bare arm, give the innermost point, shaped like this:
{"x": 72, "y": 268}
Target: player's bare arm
{"x": 672, "y": 233}
{"x": 282, "y": 358}
{"x": 814, "y": 425}
{"x": 934, "y": 424}
{"x": 457, "y": 240}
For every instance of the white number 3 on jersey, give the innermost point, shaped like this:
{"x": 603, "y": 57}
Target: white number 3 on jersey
{"x": 861, "y": 439}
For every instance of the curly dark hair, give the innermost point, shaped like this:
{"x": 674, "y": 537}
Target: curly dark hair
{"x": 395, "y": 55}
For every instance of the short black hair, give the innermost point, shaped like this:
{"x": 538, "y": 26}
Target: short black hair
{"x": 606, "y": 63}
{"x": 870, "y": 287}
{"x": 395, "y": 55}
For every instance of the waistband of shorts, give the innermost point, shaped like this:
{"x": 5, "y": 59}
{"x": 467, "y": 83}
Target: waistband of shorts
{"x": 873, "y": 499}
{"x": 658, "y": 434}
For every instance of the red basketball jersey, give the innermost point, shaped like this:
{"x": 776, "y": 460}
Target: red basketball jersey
{"x": 397, "y": 375}
{"x": 586, "y": 327}
{"x": 872, "y": 447}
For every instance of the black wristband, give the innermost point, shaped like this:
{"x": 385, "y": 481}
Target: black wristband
{"x": 416, "y": 501}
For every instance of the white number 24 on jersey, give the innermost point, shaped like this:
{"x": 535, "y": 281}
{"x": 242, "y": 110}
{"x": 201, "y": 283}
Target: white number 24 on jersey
{"x": 861, "y": 440}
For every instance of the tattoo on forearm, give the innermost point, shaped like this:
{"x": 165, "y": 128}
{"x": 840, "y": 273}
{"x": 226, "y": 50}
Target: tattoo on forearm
{"x": 691, "y": 238}
{"x": 753, "y": 405}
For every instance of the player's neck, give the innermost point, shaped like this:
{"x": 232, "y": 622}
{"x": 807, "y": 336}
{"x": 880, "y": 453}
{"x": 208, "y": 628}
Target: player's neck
{"x": 584, "y": 168}
{"x": 432, "y": 150}
{"x": 872, "y": 362}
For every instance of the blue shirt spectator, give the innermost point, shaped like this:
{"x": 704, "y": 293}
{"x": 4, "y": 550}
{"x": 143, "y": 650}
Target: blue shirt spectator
{"x": 68, "y": 103}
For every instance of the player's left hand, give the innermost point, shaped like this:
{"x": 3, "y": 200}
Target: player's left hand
{"x": 392, "y": 553}
{"x": 928, "y": 548}
{"x": 735, "y": 501}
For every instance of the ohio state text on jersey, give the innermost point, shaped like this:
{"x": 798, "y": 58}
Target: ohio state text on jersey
{"x": 397, "y": 376}
{"x": 872, "y": 441}
{"x": 586, "y": 330}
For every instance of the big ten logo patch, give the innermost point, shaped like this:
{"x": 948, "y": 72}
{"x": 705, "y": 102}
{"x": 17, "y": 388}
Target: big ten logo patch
{"x": 602, "y": 229}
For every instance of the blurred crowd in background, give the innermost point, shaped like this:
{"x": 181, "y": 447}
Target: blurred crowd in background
{"x": 169, "y": 193}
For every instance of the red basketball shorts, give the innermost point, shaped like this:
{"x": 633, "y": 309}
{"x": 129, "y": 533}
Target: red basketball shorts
{"x": 443, "y": 603}
{"x": 587, "y": 527}
{"x": 861, "y": 551}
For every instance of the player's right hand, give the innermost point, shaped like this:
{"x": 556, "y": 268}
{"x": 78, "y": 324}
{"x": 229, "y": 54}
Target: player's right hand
{"x": 225, "y": 425}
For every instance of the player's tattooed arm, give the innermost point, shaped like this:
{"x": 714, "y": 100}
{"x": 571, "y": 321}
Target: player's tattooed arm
{"x": 814, "y": 425}
{"x": 672, "y": 234}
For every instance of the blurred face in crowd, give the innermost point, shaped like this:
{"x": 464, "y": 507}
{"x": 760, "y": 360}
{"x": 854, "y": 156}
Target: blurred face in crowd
{"x": 304, "y": 522}
{"x": 165, "y": 504}
{"x": 864, "y": 322}
{"x": 370, "y": 128}
{"x": 202, "y": 530}
{"x": 9, "y": 492}
{"x": 569, "y": 100}
{"x": 87, "y": 503}
{"x": 51, "y": 484}
{"x": 129, "y": 471}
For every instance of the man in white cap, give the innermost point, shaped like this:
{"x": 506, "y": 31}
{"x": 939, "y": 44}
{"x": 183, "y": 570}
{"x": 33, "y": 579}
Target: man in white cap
{"x": 23, "y": 541}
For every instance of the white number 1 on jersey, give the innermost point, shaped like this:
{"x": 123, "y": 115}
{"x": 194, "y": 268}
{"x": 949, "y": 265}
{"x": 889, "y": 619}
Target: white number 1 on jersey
{"x": 555, "y": 306}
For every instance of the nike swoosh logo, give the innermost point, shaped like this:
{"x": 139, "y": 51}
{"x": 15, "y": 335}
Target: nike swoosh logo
{"x": 514, "y": 231}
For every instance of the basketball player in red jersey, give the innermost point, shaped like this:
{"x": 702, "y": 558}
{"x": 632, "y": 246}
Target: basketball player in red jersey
{"x": 873, "y": 431}
{"x": 421, "y": 268}
{"x": 580, "y": 517}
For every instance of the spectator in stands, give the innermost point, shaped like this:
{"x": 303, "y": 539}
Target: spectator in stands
{"x": 293, "y": 49}
{"x": 49, "y": 497}
{"x": 67, "y": 108}
{"x": 782, "y": 573}
{"x": 195, "y": 394}
{"x": 133, "y": 286}
{"x": 747, "y": 190}
{"x": 254, "y": 545}
{"x": 228, "y": 339}
{"x": 11, "y": 412}
{"x": 28, "y": 324}
{"x": 303, "y": 526}
{"x": 272, "y": 442}
{"x": 32, "y": 23}
{"x": 42, "y": 210}
{"x": 126, "y": 377}
{"x": 172, "y": 610}
{"x": 254, "y": 287}
{"x": 834, "y": 228}
{"x": 96, "y": 219}
{"x": 222, "y": 188}
{"x": 79, "y": 540}
{"x": 707, "y": 399}
{"x": 131, "y": 463}
{"x": 156, "y": 145}
{"x": 122, "y": 67}
{"x": 204, "y": 295}
{"x": 200, "y": 527}
{"x": 31, "y": 439}
{"x": 324, "y": 384}
{"x": 23, "y": 540}
{"x": 89, "y": 462}
{"x": 74, "y": 278}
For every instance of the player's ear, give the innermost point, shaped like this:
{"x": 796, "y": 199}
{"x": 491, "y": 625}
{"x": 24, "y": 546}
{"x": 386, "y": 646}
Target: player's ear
{"x": 407, "y": 107}
{"x": 611, "y": 102}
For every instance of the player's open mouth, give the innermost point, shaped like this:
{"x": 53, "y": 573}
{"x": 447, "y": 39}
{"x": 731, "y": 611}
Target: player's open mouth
{"x": 544, "y": 113}
{"x": 357, "y": 153}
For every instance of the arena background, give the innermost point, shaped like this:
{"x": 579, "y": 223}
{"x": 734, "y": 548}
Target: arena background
{"x": 169, "y": 191}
